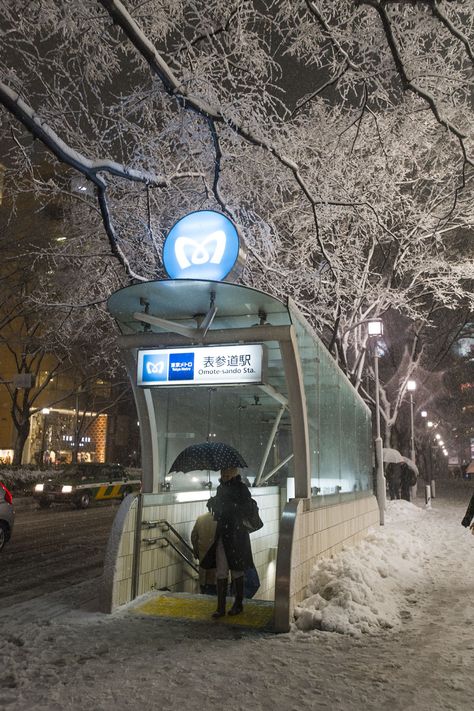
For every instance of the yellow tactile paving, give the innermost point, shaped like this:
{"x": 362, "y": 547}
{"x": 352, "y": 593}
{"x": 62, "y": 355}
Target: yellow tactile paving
{"x": 198, "y": 608}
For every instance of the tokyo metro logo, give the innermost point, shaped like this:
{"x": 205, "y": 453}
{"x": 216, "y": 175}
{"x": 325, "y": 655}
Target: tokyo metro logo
{"x": 202, "y": 245}
{"x": 189, "y": 251}
{"x": 155, "y": 368}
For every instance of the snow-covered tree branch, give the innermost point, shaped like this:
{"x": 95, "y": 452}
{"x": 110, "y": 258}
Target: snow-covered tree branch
{"x": 337, "y": 134}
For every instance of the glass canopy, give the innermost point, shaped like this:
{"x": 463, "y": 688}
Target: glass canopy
{"x": 304, "y": 426}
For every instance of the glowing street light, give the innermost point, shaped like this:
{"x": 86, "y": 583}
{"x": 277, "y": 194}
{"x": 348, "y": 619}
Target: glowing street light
{"x": 375, "y": 327}
{"x": 424, "y": 413}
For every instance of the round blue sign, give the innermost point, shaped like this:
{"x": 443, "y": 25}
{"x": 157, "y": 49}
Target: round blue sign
{"x": 201, "y": 245}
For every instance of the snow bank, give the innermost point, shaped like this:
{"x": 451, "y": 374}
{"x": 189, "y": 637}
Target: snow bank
{"x": 363, "y": 589}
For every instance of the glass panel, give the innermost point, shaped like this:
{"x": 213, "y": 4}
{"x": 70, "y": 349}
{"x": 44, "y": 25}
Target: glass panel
{"x": 339, "y": 423}
{"x": 241, "y": 416}
{"x": 330, "y": 427}
{"x": 365, "y": 476}
{"x": 180, "y": 300}
{"x": 349, "y": 449}
{"x": 308, "y": 349}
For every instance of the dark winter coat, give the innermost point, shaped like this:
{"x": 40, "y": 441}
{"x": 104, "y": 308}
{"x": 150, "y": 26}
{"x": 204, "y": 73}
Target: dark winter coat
{"x": 469, "y": 515}
{"x": 393, "y": 474}
{"x": 229, "y": 506}
{"x": 407, "y": 479}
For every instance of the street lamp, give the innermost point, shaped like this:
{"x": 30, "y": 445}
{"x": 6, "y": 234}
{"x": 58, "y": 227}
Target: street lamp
{"x": 424, "y": 413}
{"x": 411, "y": 387}
{"x": 374, "y": 331}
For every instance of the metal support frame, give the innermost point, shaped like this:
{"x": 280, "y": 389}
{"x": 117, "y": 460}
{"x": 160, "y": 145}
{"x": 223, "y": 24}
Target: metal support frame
{"x": 299, "y": 418}
{"x": 285, "y": 335}
{"x": 147, "y": 439}
{"x": 137, "y": 547}
{"x": 283, "y": 566}
{"x": 271, "y": 437}
{"x": 273, "y": 471}
{"x": 254, "y": 334}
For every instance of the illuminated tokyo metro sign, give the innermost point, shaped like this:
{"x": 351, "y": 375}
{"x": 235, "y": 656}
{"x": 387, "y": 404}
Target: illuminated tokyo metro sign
{"x": 206, "y": 365}
{"x": 201, "y": 245}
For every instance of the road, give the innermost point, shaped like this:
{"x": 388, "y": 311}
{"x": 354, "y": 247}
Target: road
{"x": 53, "y": 548}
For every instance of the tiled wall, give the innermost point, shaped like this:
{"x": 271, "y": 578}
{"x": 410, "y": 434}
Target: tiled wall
{"x": 161, "y": 567}
{"x": 319, "y": 533}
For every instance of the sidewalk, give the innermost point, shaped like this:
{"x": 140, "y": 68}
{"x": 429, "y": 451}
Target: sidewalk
{"x": 57, "y": 654}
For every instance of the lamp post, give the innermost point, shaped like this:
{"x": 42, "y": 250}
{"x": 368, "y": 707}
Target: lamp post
{"x": 45, "y": 412}
{"x": 374, "y": 331}
{"x": 411, "y": 387}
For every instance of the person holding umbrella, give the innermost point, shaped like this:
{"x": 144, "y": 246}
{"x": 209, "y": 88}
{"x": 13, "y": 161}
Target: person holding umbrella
{"x": 231, "y": 550}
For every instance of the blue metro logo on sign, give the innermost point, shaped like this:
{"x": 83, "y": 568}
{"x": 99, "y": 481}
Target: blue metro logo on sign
{"x": 181, "y": 366}
{"x": 202, "y": 245}
{"x": 154, "y": 367}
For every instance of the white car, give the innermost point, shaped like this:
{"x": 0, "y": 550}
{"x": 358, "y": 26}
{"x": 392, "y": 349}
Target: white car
{"x": 7, "y": 515}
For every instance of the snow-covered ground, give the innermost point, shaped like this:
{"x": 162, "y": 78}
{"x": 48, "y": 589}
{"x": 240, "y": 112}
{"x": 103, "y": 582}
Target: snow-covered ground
{"x": 388, "y": 625}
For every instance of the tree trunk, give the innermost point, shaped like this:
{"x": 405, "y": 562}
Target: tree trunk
{"x": 21, "y": 436}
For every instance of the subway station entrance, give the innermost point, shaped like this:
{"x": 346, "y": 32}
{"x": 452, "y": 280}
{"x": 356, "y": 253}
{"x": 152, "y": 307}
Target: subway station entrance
{"x": 216, "y": 362}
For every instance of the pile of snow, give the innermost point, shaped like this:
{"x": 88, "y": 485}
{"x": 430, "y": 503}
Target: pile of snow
{"x": 363, "y": 589}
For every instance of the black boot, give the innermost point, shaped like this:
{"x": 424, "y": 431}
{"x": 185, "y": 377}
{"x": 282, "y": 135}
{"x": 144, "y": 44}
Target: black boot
{"x": 221, "y": 596}
{"x": 237, "y": 607}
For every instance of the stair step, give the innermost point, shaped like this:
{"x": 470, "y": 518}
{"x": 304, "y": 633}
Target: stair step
{"x": 257, "y": 614}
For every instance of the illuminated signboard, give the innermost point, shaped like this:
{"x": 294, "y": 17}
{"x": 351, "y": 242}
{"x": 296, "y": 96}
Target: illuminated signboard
{"x": 210, "y": 365}
{"x": 201, "y": 245}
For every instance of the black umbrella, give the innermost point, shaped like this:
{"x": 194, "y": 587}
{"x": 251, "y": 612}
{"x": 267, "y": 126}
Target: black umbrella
{"x": 212, "y": 456}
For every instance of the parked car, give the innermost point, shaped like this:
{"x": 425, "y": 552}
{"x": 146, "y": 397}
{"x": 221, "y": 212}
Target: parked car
{"x": 79, "y": 484}
{"x": 7, "y": 515}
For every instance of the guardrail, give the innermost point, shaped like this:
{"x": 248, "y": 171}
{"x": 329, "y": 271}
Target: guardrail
{"x": 167, "y": 526}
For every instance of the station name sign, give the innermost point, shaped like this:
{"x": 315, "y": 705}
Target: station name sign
{"x": 206, "y": 365}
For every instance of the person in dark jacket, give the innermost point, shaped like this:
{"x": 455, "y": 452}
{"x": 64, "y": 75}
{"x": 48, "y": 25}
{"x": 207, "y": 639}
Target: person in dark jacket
{"x": 469, "y": 515}
{"x": 231, "y": 550}
{"x": 393, "y": 474}
{"x": 407, "y": 480}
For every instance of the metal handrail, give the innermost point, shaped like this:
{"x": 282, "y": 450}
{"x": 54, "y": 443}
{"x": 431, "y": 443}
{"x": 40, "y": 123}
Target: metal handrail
{"x": 151, "y": 541}
{"x": 169, "y": 527}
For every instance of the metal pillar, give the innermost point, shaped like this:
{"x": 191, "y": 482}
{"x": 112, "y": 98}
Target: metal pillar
{"x": 381, "y": 485}
{"x": 413, "y": 489}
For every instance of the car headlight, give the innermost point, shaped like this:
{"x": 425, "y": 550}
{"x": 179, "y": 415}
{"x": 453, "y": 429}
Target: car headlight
{"x": 39, "y": 487}
{"x": 67, "y": 488}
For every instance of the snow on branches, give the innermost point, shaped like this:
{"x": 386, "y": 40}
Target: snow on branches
{"x": 336, "y": 133}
